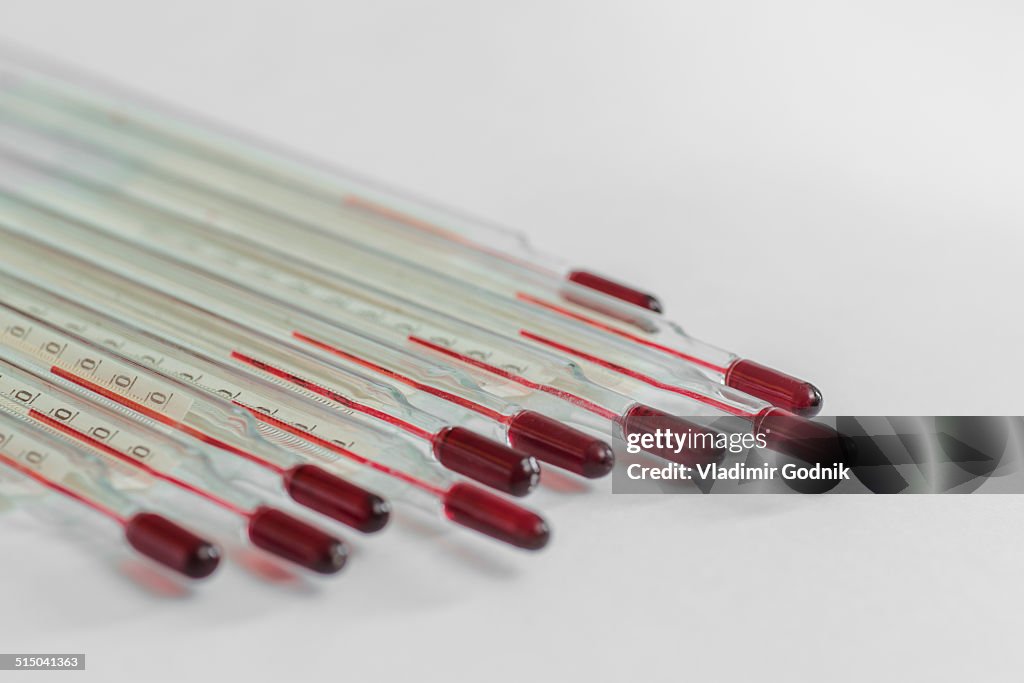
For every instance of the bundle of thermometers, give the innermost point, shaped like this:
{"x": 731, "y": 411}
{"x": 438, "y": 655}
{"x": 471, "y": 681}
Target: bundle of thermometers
{"x": 188, "y": 315}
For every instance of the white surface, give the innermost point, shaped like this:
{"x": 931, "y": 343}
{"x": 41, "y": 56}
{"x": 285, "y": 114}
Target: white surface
{"x": 832, "y": 188}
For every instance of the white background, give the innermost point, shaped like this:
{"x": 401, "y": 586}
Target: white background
{"x": 832, "y": 188}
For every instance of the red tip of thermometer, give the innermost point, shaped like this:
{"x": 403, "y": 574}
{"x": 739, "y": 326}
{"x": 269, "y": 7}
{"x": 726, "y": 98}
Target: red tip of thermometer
{"x": 616, "y": 290}
{"x": 552, "y": 442}
{"x": 778, "y": 388}
{"x": 487, "y": 461}
{"x": 296, "y": 541}
{"x": 160, "y": 539}
{"x": 496, "y": 517}
{"x": 341, "y": 500}
{"x": 643, "y": 420}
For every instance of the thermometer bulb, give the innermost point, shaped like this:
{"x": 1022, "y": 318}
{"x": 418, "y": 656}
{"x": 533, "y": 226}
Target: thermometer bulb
{"x": 165, "y": 542}
{"x": 616, "y": 290}
{"x": 290, "y": 538}
{"x": 777, "y": 388}
{"x": 341, "y": 500}
{"x": 562, "y": 446}
{"x": 641, "y": 420}
{"x": 487, "y": 461}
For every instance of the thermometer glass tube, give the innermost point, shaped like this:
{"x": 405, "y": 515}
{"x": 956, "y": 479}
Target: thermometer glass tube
{"x": 77, "y": 475}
